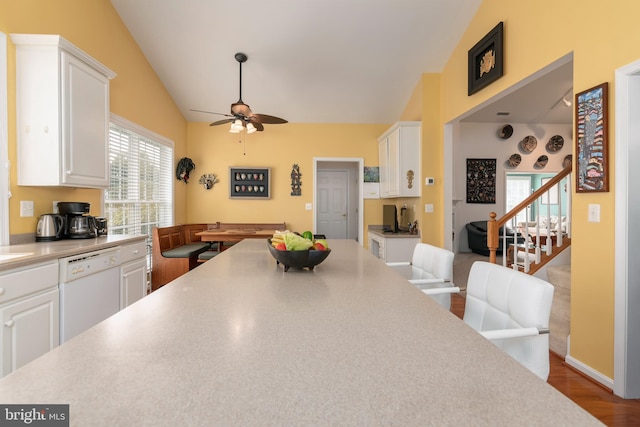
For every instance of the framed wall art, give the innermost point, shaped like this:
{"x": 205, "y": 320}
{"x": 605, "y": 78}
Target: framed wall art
{"x": 481, "y": 180}
{"x": 486, "y": 60}
{"x": 250, "y": 183}
{"x": 592, "y": 174}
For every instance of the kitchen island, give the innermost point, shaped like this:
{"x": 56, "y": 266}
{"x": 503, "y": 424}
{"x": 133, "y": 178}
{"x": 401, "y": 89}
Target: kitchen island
{"x": 238, "y": 341}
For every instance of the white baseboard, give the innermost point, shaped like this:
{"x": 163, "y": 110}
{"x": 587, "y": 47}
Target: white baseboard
{"x": 589, "y": 371}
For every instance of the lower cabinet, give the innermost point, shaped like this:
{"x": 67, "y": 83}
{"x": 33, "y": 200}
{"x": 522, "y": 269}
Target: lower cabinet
{"x": 133, "y": 273}
{"x": 29, "y": 309}
{"x": 393, "y": 248}
{"x": 133, "y": 282}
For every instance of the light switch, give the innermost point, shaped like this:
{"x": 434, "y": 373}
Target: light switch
{"x": 26, "y": 208}
{"x": 594, "y": 213}
{"x": 308, "y": 206}
{"x": 428, "y": 208}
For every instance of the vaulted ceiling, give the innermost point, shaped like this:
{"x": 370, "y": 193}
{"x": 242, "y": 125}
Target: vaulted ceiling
{"x": 309, "y": 61}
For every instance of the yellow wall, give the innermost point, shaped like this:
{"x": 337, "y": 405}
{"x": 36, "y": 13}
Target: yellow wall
{"x": 214, "y": 150}
{"x": 602, "y": 37}
{"x": 136, "y": 92}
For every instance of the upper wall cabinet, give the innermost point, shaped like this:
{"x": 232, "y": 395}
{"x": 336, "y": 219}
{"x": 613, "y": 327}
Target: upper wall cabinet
{"x": 399, "y": 160}
{"x": 62, "y": 107}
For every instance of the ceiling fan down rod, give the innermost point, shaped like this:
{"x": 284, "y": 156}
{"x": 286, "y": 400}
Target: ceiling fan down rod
{"x": 240, "y": 57}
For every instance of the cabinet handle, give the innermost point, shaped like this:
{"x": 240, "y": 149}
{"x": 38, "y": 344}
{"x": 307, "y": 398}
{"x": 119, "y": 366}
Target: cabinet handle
{"x": 1, "y": 291}
{"x": 9, "y": 323}
{"x": 136, "y": 252}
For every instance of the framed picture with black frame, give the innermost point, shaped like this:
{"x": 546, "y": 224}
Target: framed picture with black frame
{"x": 592, "y": 169}
{"x": 486, "y": 60}
{"x": 250, "y": 183}
{"x": 481, "y": 181}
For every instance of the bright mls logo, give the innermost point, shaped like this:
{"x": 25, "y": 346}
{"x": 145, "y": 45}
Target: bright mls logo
{"x": 34, "y": 415}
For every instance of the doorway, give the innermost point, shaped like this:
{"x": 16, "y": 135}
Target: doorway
{"x": 626, "y": 375}
{"x": 338, "y": 202}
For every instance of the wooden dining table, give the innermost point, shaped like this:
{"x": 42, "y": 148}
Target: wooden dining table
{"x": 233, "y": 236}
{"x": 239, "y": 341}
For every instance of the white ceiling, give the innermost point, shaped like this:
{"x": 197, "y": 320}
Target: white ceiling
{"x": 310, "y": 61}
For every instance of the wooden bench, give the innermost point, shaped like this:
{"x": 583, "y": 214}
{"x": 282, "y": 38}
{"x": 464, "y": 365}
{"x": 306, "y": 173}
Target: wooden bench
{"x": 175, "y": 251}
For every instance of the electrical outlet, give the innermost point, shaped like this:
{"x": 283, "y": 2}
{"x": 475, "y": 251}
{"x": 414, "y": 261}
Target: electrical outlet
{"x": 55, "y": 209}
{"x": 308, "y": 206}
{"x": 428, "y": 208}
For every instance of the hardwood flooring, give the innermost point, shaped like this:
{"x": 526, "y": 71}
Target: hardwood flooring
{"x": 591, "y": 396}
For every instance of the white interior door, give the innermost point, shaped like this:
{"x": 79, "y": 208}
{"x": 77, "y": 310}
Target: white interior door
{"x": 332, "y": 203}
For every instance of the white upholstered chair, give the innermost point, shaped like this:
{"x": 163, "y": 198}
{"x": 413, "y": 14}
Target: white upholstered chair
{"x": 512, "y": 310}
{"x": 431, "y": 270}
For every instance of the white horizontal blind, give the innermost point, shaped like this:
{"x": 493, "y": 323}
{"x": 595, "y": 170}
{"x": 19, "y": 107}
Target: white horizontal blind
{"x": 140, "y": 194}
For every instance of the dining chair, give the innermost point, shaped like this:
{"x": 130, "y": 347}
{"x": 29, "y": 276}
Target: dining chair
{"x": 512, "y": 310}
{"x": 431, "y": 270}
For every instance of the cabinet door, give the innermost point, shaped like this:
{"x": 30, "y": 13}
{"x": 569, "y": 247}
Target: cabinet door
{"x": 383, "y": 168}
{"x": 393, "y": 163}
{"x": 85, "y": 127}
{"x": 133, "y": 282}
{"x": 30, "y": 328}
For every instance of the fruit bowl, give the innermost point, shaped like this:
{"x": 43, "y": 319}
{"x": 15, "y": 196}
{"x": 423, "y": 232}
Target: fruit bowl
{"x": 298, "y": 259}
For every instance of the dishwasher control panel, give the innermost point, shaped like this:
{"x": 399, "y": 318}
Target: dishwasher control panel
{"x": 83, "y": 265}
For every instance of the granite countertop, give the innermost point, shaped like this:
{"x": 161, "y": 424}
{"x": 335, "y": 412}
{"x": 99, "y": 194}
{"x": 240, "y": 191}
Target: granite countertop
{"x": 237, "y": 341}
{"x": 390, "y": 235}
{"x": 30, "y": 253}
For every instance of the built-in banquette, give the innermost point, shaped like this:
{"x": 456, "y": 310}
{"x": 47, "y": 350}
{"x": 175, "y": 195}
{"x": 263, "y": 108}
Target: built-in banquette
{"x": 178, "y": 249}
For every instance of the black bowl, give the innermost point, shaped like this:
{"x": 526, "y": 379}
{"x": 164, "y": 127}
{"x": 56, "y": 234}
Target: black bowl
{"x": 298, "y": 259}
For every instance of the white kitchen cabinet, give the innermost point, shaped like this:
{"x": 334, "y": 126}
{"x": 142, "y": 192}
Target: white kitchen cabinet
{"x": 392, "y": 247}
{"x": 29, "y": 310}
{"x": 399, "y": 160}
{"x": 62, "y": 107}
{"x": 133, "y": 273}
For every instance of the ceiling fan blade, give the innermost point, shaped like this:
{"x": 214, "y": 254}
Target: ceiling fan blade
{"x": 221, "y": 122}
{"x": 268, "y": 120}
{"x": 211, "y": 112}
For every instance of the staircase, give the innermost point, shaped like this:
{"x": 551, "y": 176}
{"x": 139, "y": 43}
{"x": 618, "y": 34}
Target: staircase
{"x": 537, "y": 242}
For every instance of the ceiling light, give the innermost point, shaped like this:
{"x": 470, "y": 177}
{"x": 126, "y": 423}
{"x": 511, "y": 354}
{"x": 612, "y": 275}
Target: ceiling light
{"x": 236, "y": 126}
{"x": 566, "y": 102}
{"x": 251, "y": 128}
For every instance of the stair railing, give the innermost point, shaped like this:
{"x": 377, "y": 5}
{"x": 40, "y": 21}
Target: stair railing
{"x": 523, "y": 249}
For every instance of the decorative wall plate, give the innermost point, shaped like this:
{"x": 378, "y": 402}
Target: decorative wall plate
{"x": 567, "y": 160}
{"x": 514, "y": 160}
{"x": 555, "y": 143}
{"x": 505, "y": 132}
{"x": 528, "y": 144}
{"x": 541, "y": 162}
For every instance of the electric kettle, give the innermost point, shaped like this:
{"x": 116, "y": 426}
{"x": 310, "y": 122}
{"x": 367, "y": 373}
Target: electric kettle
{"x": 50, "y": 227}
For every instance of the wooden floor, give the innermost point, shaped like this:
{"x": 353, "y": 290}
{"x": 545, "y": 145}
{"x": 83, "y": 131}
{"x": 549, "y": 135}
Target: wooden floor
{"x": 594, "y": 398}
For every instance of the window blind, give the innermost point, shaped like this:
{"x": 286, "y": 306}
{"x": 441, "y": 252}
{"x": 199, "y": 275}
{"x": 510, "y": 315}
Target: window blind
{"x": 140, "y": 193}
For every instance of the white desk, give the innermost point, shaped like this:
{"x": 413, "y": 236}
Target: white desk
{"x": 237, "y": 341}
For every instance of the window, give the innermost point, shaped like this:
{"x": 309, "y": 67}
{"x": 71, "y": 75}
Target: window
{"x": 140, "y": 194}
{"x": 518, "y": 189}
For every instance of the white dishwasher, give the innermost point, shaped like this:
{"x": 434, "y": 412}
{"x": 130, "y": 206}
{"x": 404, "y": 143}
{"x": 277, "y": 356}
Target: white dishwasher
{"x": 89, "y": 290}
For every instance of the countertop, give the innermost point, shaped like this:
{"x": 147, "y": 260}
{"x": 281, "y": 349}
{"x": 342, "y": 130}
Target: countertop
{"x": 237, "y": 341}
{"x": 390, "y": 235}
{"x": 45, "y": 251}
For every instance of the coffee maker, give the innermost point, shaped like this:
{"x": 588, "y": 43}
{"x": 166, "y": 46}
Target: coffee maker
{"x": 77, "y": 223}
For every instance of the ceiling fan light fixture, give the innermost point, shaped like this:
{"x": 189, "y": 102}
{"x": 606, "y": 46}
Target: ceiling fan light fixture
{"x": 236, "y": 126}
{"x": 251, "y": 128}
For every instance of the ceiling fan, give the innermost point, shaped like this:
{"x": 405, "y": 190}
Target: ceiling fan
{"x": 241, "y": 116}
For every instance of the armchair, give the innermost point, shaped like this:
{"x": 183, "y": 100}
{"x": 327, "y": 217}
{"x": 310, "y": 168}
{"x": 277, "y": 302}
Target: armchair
{"x": 512, "y": 310}
{"x": 477, "y": 237}
{"x": 431, "y": 270}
